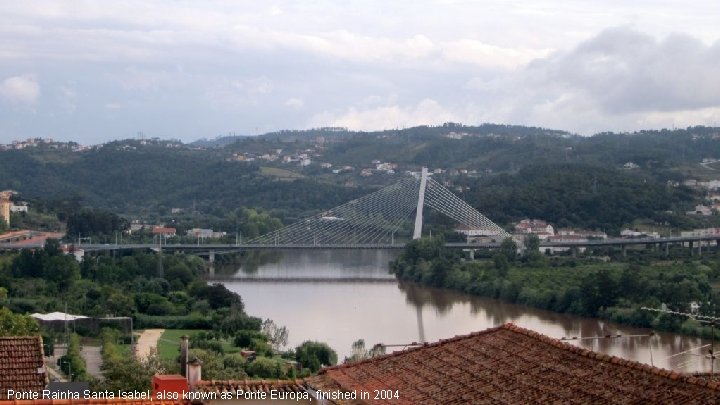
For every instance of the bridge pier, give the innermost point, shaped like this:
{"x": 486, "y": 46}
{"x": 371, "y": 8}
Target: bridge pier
{"x": 692, "y": 251}
{"x": 667, "y": 249}
{"x": 160, "y": 268}
{"x": 624, "y": 250}
{"x": 417, "y": 231}
{"x": 211, "y": 263}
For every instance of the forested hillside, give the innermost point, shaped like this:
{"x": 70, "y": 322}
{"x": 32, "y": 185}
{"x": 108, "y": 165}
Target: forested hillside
{"x": 509, "y": 172}
{"x": 155, "y": 178}
{"x": 581, "y": 195}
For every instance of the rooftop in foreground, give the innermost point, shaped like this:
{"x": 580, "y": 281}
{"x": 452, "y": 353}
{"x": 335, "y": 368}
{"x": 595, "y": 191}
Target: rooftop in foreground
{"x": 502, "y": 365}
{"x": 22, "y": 366}
{"x": 512, "y": 365}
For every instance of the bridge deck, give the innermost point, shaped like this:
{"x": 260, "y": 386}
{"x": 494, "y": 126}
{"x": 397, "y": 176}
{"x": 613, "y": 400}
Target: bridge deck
{"x": 458, "y": 245}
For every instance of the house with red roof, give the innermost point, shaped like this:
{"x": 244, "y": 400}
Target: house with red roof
{"x": 501, "y": 365}
{"x": 509, "y": 365}
{"x": 537, "y": 226}
{"x": 22, "y": 365}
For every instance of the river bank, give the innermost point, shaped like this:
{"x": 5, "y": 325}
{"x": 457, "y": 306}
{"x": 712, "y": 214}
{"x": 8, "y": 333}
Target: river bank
{"x": 616, "y": 291}
{"x": 341, "y": 312}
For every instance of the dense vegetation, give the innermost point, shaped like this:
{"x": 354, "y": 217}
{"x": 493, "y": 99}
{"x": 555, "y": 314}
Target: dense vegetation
{"x": 586, "y": 287}
{"x": 123, "y": 372}
{"x": 156, "y": 290}
{"x": 165, "y": 291}
{"x": 578, "y": 195}
{"x": 517, "y": 172}
{"x": 143, "y": 179}
{"x": 12, "y": 324}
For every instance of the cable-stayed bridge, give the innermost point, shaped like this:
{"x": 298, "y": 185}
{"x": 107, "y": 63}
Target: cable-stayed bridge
{"x": 383, "y": 220}
{"x": 382, "y": 217}
{"x": 380, "y": 220}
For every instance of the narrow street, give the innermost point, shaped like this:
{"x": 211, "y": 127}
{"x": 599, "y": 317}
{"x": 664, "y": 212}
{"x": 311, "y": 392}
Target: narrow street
{"x": 147, "y": 341}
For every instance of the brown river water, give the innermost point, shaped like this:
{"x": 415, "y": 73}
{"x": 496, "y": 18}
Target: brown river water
{"x": 339, "y": 296}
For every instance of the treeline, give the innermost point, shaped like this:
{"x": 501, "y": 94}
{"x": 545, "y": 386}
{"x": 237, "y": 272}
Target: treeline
{"x": 614, "y": 291}
{"x": 151, "y": 179}
{"x": 507, "y": 148}
{"x": 154, "y": 289}
{"x": 95, "y": 222}
{"x": 520, "y": 172}
{"x": 268, "y": 361}
{"x": 580, "y": 195}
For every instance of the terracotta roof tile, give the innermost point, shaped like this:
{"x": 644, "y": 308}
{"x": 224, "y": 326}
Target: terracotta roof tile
{"x": 512, "y": 365}
{"x": 103, "y": 401}
{"x": 251, "y": 385}
{"x": 22, "y": 365}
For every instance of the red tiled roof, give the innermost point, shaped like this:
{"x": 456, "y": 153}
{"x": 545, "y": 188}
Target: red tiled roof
{"x": 22, "y": 365}
{"x": 160, "y": 229}
{"x": 512, "y": 365}
{"x": 101, "y": 401}
{"x": 251, "y": 386}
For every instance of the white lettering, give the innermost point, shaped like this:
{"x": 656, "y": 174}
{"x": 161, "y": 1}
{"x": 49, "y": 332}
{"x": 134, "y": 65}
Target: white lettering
{"x": 12, "y": 394}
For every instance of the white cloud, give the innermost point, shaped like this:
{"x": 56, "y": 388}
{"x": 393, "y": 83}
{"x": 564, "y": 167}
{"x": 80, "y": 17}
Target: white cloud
{"x": 229, "y": 92}
{"x": 482, "y": 54}
{"x": 624, "y": 71}
{"x": 221, "y": 65}
{"x": 22, "y": 89}
{"x": 295, "y": 103}
{"x": 67, "y": 99}
{"x": 113, "y": 106}
{"x": 426, "y": 111}
{"x": 275, "y": 10}
{"x": 620, "y": 80}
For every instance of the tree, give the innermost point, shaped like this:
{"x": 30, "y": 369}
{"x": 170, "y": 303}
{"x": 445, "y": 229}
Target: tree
{"x": 276, "y": 335}
{"x": 508, "y": 247}
{"x": 501, "y": 264}
{"x": 72, "y": 362}
{"x": 359, "y": 352}
{"x": 532, "y": 243}
{"x": 532, "y": 255}
{"x": 126, "y": 372}
{"x": 62, "y": 270}
{"x": 264, "y": 367}
{"x": 12, "y": 324}
{"x": 599, "y": 291}
{"x": 52, "y": 247}
{"x": 314, "y": 355}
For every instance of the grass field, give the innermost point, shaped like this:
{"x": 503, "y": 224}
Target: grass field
{"x": 169, "y": 343}
{"x": 281, "y": 174}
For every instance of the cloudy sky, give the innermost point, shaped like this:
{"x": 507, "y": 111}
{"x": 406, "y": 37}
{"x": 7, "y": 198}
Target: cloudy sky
{"x": 92, "y": 71}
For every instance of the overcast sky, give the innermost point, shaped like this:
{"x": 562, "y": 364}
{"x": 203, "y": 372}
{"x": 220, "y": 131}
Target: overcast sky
{"x": 93, "y": 71}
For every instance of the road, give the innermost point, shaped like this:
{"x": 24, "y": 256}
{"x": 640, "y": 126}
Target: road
{"x": 147, "y": 342}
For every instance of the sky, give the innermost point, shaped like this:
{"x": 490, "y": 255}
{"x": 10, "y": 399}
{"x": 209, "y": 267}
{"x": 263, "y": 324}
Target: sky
{"x": 93, "y": 71}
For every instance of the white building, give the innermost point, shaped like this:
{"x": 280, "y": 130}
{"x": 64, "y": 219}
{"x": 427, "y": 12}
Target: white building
{"x": 537, "y": 226}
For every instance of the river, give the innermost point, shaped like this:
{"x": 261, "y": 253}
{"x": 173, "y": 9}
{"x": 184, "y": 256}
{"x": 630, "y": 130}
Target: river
{"x": 339, "y": 296}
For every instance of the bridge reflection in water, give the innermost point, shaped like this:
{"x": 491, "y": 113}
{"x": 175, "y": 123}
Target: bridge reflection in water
{"x": 390, "y": 312}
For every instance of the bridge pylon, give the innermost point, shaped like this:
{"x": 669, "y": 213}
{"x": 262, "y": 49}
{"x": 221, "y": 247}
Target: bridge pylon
{"x": 417, "y": 232}
{"x": 382, "y": 216}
